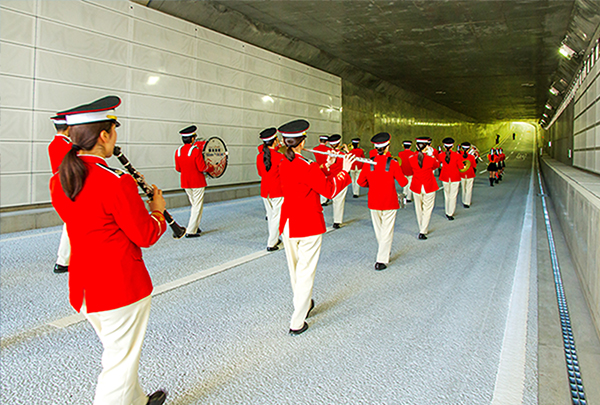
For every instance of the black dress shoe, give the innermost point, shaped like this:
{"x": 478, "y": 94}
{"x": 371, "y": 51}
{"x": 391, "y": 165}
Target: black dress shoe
{"x": 380, "y": 266}
{"x": 336, "y": 226}
{"x": 450, "y": 217}
{"x": 355, "y": 196}
{"x": 312, "y": 305}
{"x": 295, "y": 332}
{"x": 422, "y": 236}
{"x": 59, "y": 268}
{"x": 466, "y": 206}
{"x": 408, "y": 201}
{"x": 272, "y": 248}
{"x": 158, "y": 398}
{"x": 192, "y": 235}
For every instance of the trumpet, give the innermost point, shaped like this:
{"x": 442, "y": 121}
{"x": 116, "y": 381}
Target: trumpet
{"x": 338, "y": 155}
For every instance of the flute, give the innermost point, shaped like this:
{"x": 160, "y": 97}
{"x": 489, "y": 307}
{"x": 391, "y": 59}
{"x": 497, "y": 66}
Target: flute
{"x": 337, "y": 155}
{"x": 178, "y": 230}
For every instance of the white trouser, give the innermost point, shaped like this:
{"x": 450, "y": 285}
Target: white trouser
{"x": 467, "y": 190}
{"x": 354, "y": 176}
{"x": 64, "y": 248}
{"x": 424, "y": 203}
{"x": 406, "y": 190}
{"x": 338, "y": 206}
{"x": 121, "y": 332}
{"x": 302, "y": 256}
{"x": 273, "y": 207}
{"x": 196, "y": 197}
{"x": 450, "y": 194}
{"x": 383, "y": 224}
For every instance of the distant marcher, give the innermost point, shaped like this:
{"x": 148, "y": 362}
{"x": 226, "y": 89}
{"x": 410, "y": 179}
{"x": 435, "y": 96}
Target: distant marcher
{"x": 450, "y": 176}
{"x": 356, "y": 167}
{"x": 57, "y": 149}
{"x": 423, "y": 183}
{"x": 267, "y": 164}
{"x": 321, "y": 160}
{"x": 406, "y": 168}
{"x": 467, "y": 176}
{"x": 189, "y": 161}
{"x": 383, "y": 198}
{"x": 339, "y": 201}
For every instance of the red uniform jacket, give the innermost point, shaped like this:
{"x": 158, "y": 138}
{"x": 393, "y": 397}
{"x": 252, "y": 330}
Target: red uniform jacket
{"x": 107, "y": 225}
{"x": 58, "y": 148}
{"x": 358, "y": 152}
{"x": 189, "y": 161}
{"x": 423, "y": 176}
{"x": 450, "y": 171}
{"x": 302, "y": 183}
{"x": 404, "y": 165}
{"x": 270, "y": 185}
{"x": 470, "y": 173}
{"x": 382, "y": 190}
{"x": 319, "y": 158}
{"x": 336, "y": 167}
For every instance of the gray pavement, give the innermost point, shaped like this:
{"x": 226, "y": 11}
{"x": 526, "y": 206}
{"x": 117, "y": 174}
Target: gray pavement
{"x": 428, "y": 330}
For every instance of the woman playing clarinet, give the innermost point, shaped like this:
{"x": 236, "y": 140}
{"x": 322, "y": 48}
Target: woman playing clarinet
{"x": 383, "y": 198}
{"x": 267, "y": 164}
{"x": 107, "y": 224}
{"x": 302, "y": 224}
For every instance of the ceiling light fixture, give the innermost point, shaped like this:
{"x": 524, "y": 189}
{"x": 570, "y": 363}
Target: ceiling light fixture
{"x": 566, "y": 51}
{"x": 548, "y": 106}
{"x": 553, "y": 91}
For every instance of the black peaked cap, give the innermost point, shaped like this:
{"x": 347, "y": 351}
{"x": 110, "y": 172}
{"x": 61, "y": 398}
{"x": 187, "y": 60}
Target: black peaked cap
{"x": 268, "y": 133}
{"x": 188, "y": 131}
{"x": 296, "y": 127}
{"x": 381, "y": 137}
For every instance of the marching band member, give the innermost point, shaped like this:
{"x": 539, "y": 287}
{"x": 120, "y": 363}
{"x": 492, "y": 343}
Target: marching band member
{"x": 501, "y": 164}
{"x": 468, "y": 176}
{"x": 406, "y": 168}
{"x": 321, "y": 160}
{"x": 356, "y": 167}
{"x": 302, "y": 223}
{"x": 108, "y": 224}
{"x": 450, "y": 175}
{"x": 339, "y": 200}
{"x": 267, "y": 163}
{"x": 57, "y": 149}
{"x": 189, "y": 161}
{"x": 423, "y": 183}
{"x": 382, "y": 198}
{"x": 492, "y": 167}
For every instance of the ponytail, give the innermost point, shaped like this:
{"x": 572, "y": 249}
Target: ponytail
{"x": 267, "y": 154}
{"x": 72, "y": 171}
{"x": 292, "y": 143}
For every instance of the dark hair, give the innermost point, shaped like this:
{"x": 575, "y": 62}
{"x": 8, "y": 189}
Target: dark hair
{"x": 188, "y": 139}
{"x": 72, "y": 172}
{"x": 292, "y": 143}
{"x": 60, "y": 127}
{"x": 381, "y": 150}
{"x": 267, "y": 154}
{"x": 421, "y": 146}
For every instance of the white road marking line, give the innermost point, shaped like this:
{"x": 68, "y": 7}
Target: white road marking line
{"x": 510, "y": 380}
{"x": 30, "y": 236}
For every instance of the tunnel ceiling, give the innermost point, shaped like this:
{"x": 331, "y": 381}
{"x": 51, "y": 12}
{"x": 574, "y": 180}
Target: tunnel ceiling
{"x": 490, "y": 60}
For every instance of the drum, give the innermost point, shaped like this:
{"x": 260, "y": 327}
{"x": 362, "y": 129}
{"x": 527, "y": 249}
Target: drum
{"x": 216, "y": 156}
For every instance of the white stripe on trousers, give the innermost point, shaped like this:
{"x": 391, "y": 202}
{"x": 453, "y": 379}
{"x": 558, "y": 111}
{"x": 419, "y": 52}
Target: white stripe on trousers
{"x": 450, "y": 194}
{"x": 338, "y": 206}
{"x": 273, "y": 207}
{"x": 424, "y": 203}
{"x": 383, "y": 224}
{"x": 354, "y": 176}
{"x": 302, "y": 256}
{"x": 196, "y": 197}
{"x": 121, "y": 332}
{"x": 467, "y": 190}
{"x": 64, "y": 248}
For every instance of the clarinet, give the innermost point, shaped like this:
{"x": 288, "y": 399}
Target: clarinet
{"x": 178, "y": 231}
